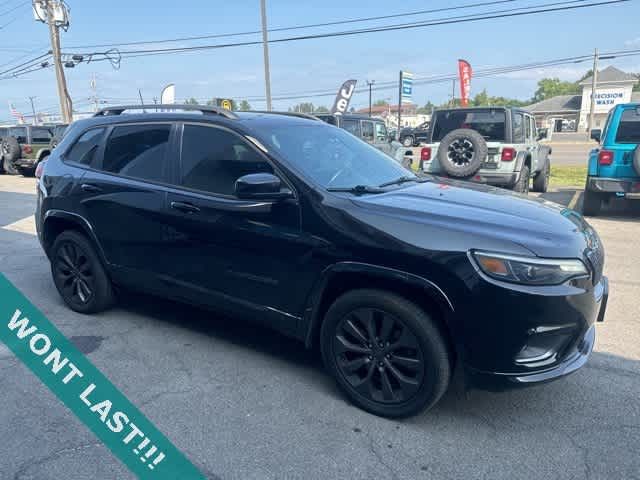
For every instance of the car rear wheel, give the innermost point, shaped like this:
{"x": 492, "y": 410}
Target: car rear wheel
{"x": 592, "y": 203}
{"x": 385, "y": 353}
{"x": 522, "y": 185}
{"x": 79, "y": 275}
{"x": 541, "y": 181}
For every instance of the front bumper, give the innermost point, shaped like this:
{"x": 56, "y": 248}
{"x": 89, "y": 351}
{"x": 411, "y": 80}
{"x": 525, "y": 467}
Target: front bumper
{"x": 629, "y": 187}
{"x": 487, "y": 177}
{"x": 562, "y": 346}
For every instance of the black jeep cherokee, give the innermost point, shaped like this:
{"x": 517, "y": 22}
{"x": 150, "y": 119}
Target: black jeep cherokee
{"x": 300, "y": 225}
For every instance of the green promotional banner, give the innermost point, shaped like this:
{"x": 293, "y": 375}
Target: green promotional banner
{"x": 87, "y": 392}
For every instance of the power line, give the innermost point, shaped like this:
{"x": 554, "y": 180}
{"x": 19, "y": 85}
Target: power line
{"x": 297, "y": 27}
{"x": 15, "y": 8}
{"x": 445, "y": 21}
{"x": 25, "y": 63}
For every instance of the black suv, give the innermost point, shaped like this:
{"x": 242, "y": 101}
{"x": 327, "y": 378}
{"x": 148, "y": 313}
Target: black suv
{"x": 412, "y": 136}
{"x": 399, "y": 279}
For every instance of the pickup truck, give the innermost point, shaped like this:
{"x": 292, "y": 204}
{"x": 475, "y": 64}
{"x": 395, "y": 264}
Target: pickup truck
{"x": 614, "y": 167}
{"x": 493, "y": 145}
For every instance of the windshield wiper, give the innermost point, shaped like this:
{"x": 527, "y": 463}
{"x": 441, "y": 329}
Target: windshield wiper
{"x": 357, "y": 189}
{"x": 401, "y": 180}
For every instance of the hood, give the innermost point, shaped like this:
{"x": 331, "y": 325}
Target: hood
{"x": 450, "y": 215}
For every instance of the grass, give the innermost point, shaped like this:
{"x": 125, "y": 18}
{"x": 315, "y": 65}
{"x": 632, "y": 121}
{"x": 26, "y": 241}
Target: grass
{"x": 568, "y": 176}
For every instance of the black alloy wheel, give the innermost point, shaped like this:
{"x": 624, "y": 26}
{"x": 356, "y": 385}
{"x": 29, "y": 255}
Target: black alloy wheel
{"x": 386, "y": 353}
{"x": 378, "y": 355}
{"x": 79, "y": 275}
{"x": 460, "y": 152}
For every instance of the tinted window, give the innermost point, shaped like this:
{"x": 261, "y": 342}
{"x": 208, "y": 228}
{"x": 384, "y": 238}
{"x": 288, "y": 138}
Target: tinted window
{"x": 629, "y": 127}
{"x": 20, "y": 133}
{"x": 85, "y": 148}
{"x": 137, "y": 151}
{"x": 527, "y": 123}
{"x": 488, "y": 123}
{"x": 367, "y": 131}
{"x": 518, "y": 128}
{"x": 41, "y": 135}
{"x": 352, "y": 126}
{"x": 381, "y": 132}
{"x": 213, "y": 159}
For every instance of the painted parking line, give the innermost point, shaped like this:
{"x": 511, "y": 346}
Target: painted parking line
{"x": 574, "y": 200}
{"x": 25, "y": 225}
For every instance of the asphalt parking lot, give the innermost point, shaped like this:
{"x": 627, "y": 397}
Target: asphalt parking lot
{"x": 243, "y": 402}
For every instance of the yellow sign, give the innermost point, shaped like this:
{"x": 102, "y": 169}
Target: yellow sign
{"x": 226, "y": 104}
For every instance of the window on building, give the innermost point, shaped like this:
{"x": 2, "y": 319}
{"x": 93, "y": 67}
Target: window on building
{"x": 85, "y": 148}
{"x": 138, "y": 151}
{"x": 213, "y": 159}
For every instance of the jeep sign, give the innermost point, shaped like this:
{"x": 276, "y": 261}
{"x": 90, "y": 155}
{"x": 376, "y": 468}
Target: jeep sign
{"x": 344, "y": 96}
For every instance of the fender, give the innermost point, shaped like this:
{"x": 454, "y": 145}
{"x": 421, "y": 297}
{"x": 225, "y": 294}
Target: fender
{"x": 77, "y": 220}
{"x": 520, "y": 157}
{"x": 310, "y": 320}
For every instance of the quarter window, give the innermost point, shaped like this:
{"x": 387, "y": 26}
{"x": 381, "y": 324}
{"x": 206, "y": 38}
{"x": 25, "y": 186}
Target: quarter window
{"x": 41, "y": 135}
{"x": 85, "y": 148}
{"x": 367, "y": 131}
{"x": 213, "y": 159}
{"x": 351, "y": 126}
{"x": 629, "y": 127}
{"x": 138, "y": 151}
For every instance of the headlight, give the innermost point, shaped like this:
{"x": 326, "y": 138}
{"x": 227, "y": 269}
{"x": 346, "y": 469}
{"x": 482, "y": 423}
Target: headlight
{"x": 529, "y": 270}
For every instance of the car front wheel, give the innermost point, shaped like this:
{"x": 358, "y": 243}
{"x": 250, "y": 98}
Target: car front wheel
{"x": 78, "y": 274}
{"x": 385, "y": 352}
{"x": 522, "y": 185}
{"x": 591, "y": 203}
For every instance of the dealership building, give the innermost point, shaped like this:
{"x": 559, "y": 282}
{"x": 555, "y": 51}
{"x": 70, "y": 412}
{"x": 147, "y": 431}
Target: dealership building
{"x": 571, "y": 112}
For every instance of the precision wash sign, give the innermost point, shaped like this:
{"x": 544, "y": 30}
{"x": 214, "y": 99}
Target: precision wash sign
{"x": 87, "y": 392}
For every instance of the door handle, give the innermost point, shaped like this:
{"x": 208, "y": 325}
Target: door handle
{"x": 185, "y": 207}
{"x": 87, "y": 187}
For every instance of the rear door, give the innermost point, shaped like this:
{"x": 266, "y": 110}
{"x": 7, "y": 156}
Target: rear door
{"x": 381, "y": 139}
{"x": 123, "y": 198}
{"x": 40, "y": 139}
{"x": 531, "y": 144}
{"x": 623, "y": 141}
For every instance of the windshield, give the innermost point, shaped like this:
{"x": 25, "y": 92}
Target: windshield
{"x": 332, "y": 157}
{"x": 488, "y": 123}
{"x": 629, "y": 128}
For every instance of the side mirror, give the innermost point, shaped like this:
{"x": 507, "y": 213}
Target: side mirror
{"x": 596, "y": 134}
{"x": 261, "y": 186}
{"x": 542, "y": 133}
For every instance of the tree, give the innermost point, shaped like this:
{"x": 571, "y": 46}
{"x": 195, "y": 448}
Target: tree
{"x": 304, "y": 107}
{"x": 244, "y": 106}
{"x": 636, "y": 87}
{"x": 380, "y": 103}
{"x": 427, "y": 109}
{"x": 483, "y": 99}
{"x": 322, "y": 109}
{"x": 551, "y": 87}
{"x": 191, "y": 101}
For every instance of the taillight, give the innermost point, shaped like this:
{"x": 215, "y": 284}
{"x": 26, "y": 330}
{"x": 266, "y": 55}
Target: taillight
{"x": 40, "y": 169}
{"x": 425, "y": 154}
{"x": 27, "y": 149}
{"x": 605, "y": 157}
{"x": 508, "y": 154}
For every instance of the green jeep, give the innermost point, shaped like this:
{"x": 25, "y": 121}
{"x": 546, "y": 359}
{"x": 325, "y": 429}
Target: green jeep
{"x": 23, "y": 147}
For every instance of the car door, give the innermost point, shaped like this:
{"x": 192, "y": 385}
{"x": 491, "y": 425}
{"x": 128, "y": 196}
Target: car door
{"x": 123, "y": 198}
{"x": 532, "y": 143}
{"x": 367, "y": 131}
{"x": 381, "y": 139}
{"x": 229, "y": 252}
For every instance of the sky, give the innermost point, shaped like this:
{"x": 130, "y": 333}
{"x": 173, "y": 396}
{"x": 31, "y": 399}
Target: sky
{"x": 307, "y": 65}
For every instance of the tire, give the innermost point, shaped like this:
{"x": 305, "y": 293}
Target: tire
{"x": 541, "y": 181}
{"x": 10, "y": 152}
{"x": 408, "y": 141}
{"x": 636, "y": 159}
{"x": 522, "y": 185}
{"x": 592, "y": 202}
{"x": 85, "y": 278}
{"x": 26, "y": 172}
{"x": 462, "y": 152}
{"x": 425, "y": 365}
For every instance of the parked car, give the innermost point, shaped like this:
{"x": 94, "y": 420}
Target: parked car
{"x": 493, "y": 145}
{"x": 371, "y": 130}
{"x": 24, "y": 146}
{"x": 301, "y": 226}
{"x": 412, "y": 136}
{"x": 614, "y": 167}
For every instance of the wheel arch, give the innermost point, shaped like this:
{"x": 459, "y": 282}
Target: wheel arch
{"x": 342, "y": 277}
{"x": 58, "y": 221}
{"x": 43, "y": 153}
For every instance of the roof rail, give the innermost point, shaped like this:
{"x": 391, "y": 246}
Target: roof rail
{"x": 205, "y": 109}
{"x": 289, "y": 114}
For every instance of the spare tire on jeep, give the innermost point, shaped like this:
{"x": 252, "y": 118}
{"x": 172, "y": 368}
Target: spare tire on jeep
{"x": 636, "y": 160}
{"x": 462, "y": 152}
{"x": 11, "y": 149}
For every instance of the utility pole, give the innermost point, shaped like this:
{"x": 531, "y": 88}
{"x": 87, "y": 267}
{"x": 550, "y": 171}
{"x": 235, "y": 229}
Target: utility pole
{"x": 265, "y": 48}
{"x": 594, "y": 83}
{"x": 453, "y": 93}
{"x": 399, "y": 106}
{"x": 33, "y": 109}
{"x": 370, "y": 83}
{"x": 49, "y": 8}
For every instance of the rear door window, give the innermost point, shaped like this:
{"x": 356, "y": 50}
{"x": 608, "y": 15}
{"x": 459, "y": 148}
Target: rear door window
{"x": 19, "y": 132}
{"x": 629, "y": 127}
{"x": 367, "y": 131}
{"x": 41, "y": 135}
{"x": 138, "y": 151}
{"x": 381, "y": 132}
{"x": 352, "y": 126}
{"x": 518, "y": 128}
{"x": 85, "y": 148}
